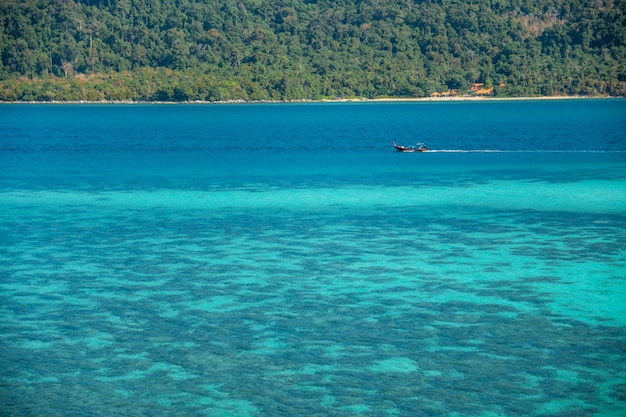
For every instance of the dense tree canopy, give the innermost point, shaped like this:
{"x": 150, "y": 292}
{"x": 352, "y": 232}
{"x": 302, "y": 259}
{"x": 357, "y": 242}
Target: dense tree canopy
{"x": 179, "y": 50}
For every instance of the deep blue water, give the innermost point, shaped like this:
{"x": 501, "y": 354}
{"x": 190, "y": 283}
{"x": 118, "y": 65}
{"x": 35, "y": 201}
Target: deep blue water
{"x": 283, "y": 259}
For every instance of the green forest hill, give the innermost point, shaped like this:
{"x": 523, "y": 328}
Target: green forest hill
{"x": 217, "y": 50}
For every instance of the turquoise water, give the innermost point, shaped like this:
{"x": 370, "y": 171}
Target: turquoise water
{"x": 284, "y": 260}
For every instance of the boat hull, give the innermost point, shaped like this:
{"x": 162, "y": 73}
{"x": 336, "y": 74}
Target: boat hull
{"x": 419, "y": 148}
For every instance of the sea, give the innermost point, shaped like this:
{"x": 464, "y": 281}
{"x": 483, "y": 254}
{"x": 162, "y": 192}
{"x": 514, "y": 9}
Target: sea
{"x": 282, "y": 259}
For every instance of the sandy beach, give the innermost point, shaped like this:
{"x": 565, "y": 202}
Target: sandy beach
{"x": 481, "y": 98}
{"x": 341, "y": 100}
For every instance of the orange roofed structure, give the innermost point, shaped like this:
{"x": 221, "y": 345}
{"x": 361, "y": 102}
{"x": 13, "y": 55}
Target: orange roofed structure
{"x": 485, "y": 91}
{"x": 450, "y": 93}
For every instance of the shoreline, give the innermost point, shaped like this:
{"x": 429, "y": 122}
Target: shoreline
{"x": 343, "y": 100}
{"x": 489, "y": 98}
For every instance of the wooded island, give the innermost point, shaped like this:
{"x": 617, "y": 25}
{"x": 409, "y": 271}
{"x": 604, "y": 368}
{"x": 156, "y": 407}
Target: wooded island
{"x": 256, "y": 50}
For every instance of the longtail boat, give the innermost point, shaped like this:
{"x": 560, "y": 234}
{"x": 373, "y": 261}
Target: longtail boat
{"x": 420, "y": 147}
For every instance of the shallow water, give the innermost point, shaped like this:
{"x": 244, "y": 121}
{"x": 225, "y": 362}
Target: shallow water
{"x": 281, "y": 260}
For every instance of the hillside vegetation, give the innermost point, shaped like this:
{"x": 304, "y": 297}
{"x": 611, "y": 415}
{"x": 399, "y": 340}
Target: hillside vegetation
{"x": 180, "y": 50}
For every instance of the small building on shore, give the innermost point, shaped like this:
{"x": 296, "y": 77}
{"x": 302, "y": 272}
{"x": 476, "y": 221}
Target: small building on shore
{"x": 485, "y": 92}
{"x": 449, "y": 93}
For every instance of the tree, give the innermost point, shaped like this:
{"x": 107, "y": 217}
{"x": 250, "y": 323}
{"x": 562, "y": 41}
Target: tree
{"x": 67, "y": 68}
